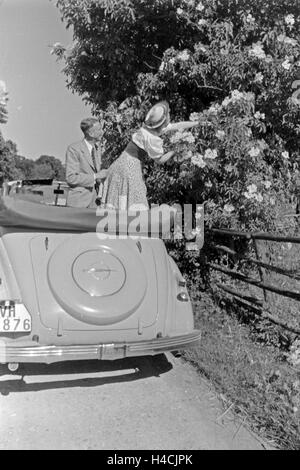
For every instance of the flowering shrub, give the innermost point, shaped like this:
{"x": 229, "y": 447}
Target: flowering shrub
{"x": 232, "y": 64}
{"x": 227, "y": 164}
{"x": 244, "y": 161}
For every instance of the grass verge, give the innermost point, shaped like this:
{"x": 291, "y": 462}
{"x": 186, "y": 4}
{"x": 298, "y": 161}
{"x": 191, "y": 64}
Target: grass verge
{"x": 250, "y": 376}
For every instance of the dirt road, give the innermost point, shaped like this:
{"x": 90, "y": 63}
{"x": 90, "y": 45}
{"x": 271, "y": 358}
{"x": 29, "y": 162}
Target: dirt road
{"x": 128, "y": 404}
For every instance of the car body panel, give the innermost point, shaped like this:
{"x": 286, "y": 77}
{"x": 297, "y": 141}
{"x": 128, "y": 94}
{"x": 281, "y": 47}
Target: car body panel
{"x": 49, "y": 306}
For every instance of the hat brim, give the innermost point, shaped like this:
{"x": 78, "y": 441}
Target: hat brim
{"x": 161, "y": 121}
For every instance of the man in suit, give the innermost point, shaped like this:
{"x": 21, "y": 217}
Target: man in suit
{"x": 83, "y": 166}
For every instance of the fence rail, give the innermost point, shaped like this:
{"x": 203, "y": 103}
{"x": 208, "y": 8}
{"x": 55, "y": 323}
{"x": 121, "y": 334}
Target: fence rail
{"x": 255, "y": 235}
{"x": 249, "y": 280}
{"x": 258, "y": 305}
{"x": 293, "y": 274}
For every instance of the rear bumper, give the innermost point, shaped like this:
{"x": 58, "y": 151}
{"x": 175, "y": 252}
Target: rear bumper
{"x": 105, "y": 351}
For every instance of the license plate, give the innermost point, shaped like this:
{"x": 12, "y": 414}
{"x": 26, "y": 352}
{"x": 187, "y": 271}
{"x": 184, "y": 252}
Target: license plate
{"x": 14, "y": 318}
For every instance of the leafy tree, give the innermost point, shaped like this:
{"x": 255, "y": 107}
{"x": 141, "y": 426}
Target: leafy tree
{"x": 114, "y": 41}
{"x": 24, "y": 166}
{"x": 51, "y": 167}
{"x": 3, "y": 102}
{"x": 44, "y": 167}
{"x": 41, "y": 170}
{"x": 6, "y": 148}
{"x": 14, "y": 166}
{"x": 8, "y": 152}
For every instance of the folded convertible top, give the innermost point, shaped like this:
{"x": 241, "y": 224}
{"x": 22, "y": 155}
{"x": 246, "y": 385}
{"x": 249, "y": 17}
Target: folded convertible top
{"x": 16, "y": 212}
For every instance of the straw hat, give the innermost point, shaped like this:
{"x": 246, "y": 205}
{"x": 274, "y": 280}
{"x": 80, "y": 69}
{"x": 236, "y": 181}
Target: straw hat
{"x": 157, "y": 115}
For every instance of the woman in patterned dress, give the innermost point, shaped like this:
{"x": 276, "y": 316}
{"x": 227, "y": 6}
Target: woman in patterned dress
{"x": 125, "y": 187}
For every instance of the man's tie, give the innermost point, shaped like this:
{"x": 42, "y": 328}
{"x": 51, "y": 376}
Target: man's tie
{"x": 98, "y": 186}
{"x": 94, "y": 158}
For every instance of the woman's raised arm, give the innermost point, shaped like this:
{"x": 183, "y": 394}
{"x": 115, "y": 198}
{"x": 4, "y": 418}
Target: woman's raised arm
{"x": 177, "y": 126}
{"x": 165, "y": 157}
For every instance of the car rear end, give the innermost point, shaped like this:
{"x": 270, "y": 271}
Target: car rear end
{"x": 75, "y": 295}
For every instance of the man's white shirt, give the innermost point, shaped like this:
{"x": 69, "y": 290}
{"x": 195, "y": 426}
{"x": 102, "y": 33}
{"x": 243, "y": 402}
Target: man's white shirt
{"x": 90, "y": 148}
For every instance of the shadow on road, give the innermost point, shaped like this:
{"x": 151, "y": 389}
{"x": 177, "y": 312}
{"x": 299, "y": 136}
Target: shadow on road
{"x": 142, "y": 367}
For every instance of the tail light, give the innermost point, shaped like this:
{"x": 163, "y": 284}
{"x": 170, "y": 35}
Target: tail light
{"x": 183, "y": 297}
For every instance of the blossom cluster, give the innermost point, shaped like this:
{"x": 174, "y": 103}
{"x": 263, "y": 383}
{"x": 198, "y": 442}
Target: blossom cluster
{"x": 257, "y": 50}
{"x": 285, "y": 155}
{"x": 220, "y": 135}
{"x": 258, "y": 77}
{"x": 236, "y": 96}
{"x": 252, "y": 193}
{"x": 214, "y": 109}
{"x": 290, "y": 20}
{"x": 259, "y": 115}
{"x": 229, "y": 208}
{"x": 250, "y": 19}
{"x": 210, "y": 154}
{"x": 194, "y": 116}
{"x": 198, "y": 159}
{"x": 180, "y": 136}
{"x": 254, "y": 151}
{"x": 286, "y": 64}
{"x": 182, "y": 56}
{"x": 200, "y": 6}
{"x": 287, "y": 40}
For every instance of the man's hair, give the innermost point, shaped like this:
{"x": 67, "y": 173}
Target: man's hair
{"x": 87, "y": 123}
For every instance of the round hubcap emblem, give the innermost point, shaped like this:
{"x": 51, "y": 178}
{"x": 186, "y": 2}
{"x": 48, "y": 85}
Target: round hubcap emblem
{"x": 98, "y": 273}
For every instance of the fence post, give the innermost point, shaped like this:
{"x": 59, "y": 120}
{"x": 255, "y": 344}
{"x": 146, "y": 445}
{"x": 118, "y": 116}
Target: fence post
{"x": 260, "y": 269}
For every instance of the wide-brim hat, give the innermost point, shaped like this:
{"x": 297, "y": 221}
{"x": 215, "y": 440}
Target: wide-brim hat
{"x": 157, "y": 115}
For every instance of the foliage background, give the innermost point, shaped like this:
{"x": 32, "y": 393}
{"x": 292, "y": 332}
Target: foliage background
{"x": 234, "y": 62}
{"x": 14, "y": 167}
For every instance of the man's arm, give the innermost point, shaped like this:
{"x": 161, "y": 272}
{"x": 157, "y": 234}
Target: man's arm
{"x": 73, "y": 175}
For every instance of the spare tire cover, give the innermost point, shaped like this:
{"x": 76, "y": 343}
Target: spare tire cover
{"x": 100, "y": 282}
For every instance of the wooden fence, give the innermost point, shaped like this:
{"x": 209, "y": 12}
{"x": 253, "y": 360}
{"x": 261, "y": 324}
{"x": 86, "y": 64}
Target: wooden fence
{"x": 259, "y": 305}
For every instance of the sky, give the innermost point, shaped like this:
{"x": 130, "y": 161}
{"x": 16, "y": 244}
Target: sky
{"x": 44, "y": 116}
